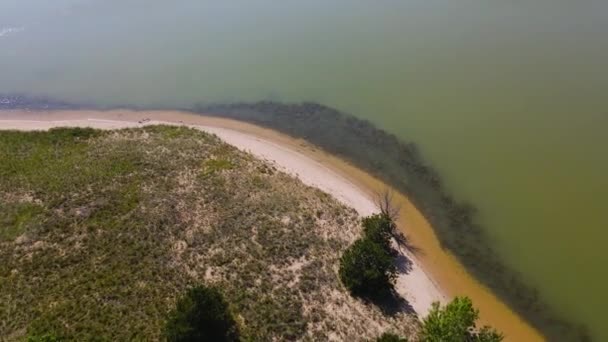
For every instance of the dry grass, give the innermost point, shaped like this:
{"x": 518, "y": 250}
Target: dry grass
{"x": 100, "y": 232}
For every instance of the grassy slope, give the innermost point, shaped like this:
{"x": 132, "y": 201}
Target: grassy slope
{"x": 101, "y": 231}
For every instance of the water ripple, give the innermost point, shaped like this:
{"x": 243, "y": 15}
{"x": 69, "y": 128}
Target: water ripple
{"x": 10, "y": 30}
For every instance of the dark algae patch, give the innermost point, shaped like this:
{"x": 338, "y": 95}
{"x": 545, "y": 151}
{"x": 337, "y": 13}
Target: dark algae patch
{"x": 401, "y": 165}
{"x": 101, "y": 233}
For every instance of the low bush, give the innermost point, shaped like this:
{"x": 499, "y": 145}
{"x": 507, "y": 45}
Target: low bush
{"x": 456, "y": 322}
{"x": 367, "y": 269}
{"x": 201, "y": 315}
{"x": 379, "y": 228}
{"x": 389, "y": 337}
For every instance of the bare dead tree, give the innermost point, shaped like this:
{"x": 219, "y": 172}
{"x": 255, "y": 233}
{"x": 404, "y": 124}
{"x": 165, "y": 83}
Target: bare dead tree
{"x": 386, "y": 203}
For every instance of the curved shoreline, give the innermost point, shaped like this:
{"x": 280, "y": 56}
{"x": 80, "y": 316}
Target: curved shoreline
{"x": 434, "y": 260}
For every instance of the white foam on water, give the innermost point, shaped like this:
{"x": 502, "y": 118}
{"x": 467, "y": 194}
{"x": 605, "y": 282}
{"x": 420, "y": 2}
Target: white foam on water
{"x": 10, "y": 30}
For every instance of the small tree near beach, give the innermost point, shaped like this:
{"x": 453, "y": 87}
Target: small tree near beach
{"x": 456, "y": 322}
{"x": 201, "y": 315}
{"x": 367, "y": 267}
{"x": 379, "y": 228}
{"x": 367, "y": 270}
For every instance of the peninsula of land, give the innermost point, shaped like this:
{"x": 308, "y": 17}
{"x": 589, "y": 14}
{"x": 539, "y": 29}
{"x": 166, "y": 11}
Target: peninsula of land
{"x": 434, "y": 275}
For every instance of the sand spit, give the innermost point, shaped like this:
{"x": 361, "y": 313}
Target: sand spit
{"x": 353, "y": 187}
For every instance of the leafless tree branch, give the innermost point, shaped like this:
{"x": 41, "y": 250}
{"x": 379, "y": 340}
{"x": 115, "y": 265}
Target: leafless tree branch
{"x": 386, "y": 203}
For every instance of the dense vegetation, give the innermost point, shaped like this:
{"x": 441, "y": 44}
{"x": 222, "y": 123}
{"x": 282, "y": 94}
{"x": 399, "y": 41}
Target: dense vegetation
{"x": 201, "y": 314}
{"x": 456, "y": 322}
{"x": 101, "y": 232}
{"x": 367, "y": 268}
{"x": 390, "y": 337}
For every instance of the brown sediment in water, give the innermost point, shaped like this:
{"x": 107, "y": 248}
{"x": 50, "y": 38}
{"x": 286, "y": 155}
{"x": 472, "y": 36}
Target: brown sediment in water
{"x": 443, "y": 267}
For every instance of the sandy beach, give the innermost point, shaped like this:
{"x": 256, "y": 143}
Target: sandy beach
{"x": 435, "y": 275}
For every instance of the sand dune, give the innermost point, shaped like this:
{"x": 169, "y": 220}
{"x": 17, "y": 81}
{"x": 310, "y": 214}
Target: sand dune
{"x": 415, "y": 285}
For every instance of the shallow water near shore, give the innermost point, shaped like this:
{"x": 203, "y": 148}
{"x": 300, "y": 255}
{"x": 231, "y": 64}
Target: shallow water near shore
{"x": 506, "y": 100}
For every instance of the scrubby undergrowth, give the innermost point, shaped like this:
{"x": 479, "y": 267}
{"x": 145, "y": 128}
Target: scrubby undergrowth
{"x": 101, "y": 232}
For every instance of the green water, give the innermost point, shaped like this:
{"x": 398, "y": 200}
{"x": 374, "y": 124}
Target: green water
{"x": 508, "y": 99}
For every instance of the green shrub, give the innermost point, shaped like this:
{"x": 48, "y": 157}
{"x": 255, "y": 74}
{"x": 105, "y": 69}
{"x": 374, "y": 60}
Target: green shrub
{"x": 43, "y": 338}
{"x": 367, "y": 269}
{"x": 201, "y": 315}
{"x": 212, "y": 166}
{"x": 488, "y": 334}
{"x": 456, "y": 322}
{"x": 74, "y": 132}
{"x": 379, "y": 229}
{"x": 389, "y": 337}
